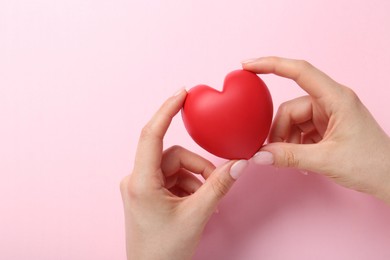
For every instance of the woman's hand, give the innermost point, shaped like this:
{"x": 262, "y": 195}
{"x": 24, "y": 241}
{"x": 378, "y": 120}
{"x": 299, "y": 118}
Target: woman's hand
{"x": 166, "y": 206}
{"x": 328, "y": 131}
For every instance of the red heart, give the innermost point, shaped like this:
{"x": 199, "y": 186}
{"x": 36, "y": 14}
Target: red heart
{"x": 231, "y": 124}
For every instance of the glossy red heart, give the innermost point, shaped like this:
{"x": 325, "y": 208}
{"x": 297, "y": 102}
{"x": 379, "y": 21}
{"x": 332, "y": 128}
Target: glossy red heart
{"x": 231, "y": 124}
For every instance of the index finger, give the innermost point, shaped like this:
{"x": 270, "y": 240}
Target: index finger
{"x": 315, "y": 82}
{"x": 150, "y": 144}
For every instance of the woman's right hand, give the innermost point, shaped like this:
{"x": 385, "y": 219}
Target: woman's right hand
{"x": 328, "y": 131}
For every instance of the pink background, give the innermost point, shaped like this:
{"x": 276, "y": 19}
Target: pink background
{"x": 79, "y": 79}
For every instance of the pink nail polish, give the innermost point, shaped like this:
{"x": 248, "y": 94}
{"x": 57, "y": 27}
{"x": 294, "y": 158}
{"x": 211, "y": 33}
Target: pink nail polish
{"x": 179, "y": 92}
{"x": 237, "y": 168}
{"x": 263, "y": 158}
{"x": 248, "y": 61}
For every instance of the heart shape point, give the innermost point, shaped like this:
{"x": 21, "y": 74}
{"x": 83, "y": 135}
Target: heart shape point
{"x": 233, "y": 123}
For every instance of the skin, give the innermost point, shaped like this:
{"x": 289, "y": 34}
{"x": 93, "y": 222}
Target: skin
{"x": 329, "y": 131}
{"x": 166, "y": 206}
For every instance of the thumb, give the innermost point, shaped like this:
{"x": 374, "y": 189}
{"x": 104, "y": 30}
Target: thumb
{"x": 218, "y": 185}
{"x": 299, "y": 156}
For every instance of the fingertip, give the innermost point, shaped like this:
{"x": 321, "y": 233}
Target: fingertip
{"x": 237, "y": 168}
{"x": 254, "y": 65}
{"x": 218, "y": 185}
{"x": 253, "y": 60}
{"x": 248, "y": 61}
{"x": 263, "y": 158}
{"x": 177, "y": 99}
{"x": 179, "y": 96}
{"x": 180, "y": 92}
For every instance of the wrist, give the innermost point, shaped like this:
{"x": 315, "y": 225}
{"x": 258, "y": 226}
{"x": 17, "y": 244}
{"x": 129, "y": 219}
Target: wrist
{"x": 157, "y": 247}
{"x": 382, "y": 190}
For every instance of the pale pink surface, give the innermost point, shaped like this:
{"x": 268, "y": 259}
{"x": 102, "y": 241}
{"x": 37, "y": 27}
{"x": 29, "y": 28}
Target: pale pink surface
{"x": 78, "y": 80}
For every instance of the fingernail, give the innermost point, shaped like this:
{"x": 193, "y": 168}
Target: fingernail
{"x": 263, "y": 158}
{"x": 237, "y": 168}
{"x": 248, "y": 61}
{"x": 179, "y": 92}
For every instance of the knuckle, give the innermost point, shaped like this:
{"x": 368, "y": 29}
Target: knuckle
{"x": 290, "y": 159}
{"x": 284, "y": 108}
{"x": 131, "y": 189}
{"x": 220, "y": 188}
{"x": 304, "y": 65}
{"x": 350, "y": 95}
{"x": 176, "y": 149}
{"x": 274, "y": 59}
{"x": 173, "y": 152}
{"x": 123, "y": 184}
{"x": 147, "y": 131}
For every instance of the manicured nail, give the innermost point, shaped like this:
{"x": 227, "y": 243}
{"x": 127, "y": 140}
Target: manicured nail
{"x": 248, "y": 61}
{"x": 179, "y": 92}
{"x": 238, "y": 168}
{"x": 263, "y": 158}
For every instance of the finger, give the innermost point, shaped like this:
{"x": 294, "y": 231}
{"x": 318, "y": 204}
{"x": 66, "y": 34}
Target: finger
{"x": 307, "y": 127}
{"x": 185, "y": 181}
{"x": 178, "y": 192}
{"x": 293, "y": 112}
{"x": 311, "y": 157}
{"x": 309, "y": 78}
{"x": 295, "y": 135}
{"x": 150, "y": 145}
{"x": 311, "y": 138}
{"x": 206, "y": 198}
{"x": 177, "y": 157}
